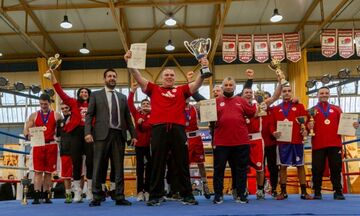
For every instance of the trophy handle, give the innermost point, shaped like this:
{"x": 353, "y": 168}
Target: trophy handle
{"x": 188, "y": 47}
{"x": 208, "y": 41}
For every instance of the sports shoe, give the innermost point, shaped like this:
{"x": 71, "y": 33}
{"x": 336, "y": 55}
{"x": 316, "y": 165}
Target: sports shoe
{"x": 68, "y": 198}
{"x": 234, "y": 193}
{"x": 47, "y": 196}
{"x": 317, "y": 195}
{"x": 153, "y": 202}
{"x": 218, "y": 199}
{"x": 89, "y": 194}
{"x": 206, "y": 191}
{"x": 189, "y": 200}
{"x": 242, "y": 199}
{"x": 306, "y": 197}
{"x": 260, "y": 195}
{"x": 338, "y": 195}
{"x": 146, "y": 196}
{"x": 140, "y": 197}
{"x": 281, "y": 196}
{"x": 274, "y": 194}
{"x": 77, "y": 192}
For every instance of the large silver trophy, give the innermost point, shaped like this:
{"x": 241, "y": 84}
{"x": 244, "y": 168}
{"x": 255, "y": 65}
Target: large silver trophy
{"x": 276, "y": 66}
{"x": 53, "y": 63}
{"x": 200, "y": 48}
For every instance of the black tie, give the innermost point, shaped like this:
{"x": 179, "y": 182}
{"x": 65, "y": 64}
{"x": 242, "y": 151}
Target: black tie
{"x": 114, "y": 110}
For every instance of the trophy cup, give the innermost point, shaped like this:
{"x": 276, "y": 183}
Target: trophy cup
{"x": 312, "y": 113}
{"x": 25, "y": 183}
{"x": 260, "y": 98}
{"x": 275, "y": 66}
{"x": 53, "y": 63}
{"x": 301, "y": 120}
{"x": 200, "y": 48}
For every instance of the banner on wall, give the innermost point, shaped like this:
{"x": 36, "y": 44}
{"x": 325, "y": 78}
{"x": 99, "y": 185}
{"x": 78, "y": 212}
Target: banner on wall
{"x": 229, "y": 48}
{"x": 346, "y": 42}
{"x": 276, "y": 43}
{"x": 292, "y": 46}
{"x": 328, "y": 42}
{"x": 261, "y": 48}
{"x": 245, "y": 48}
{"x": 357, "y": 41}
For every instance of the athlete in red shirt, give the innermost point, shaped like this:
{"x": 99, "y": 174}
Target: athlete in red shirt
{"x": 142, "y": 146}
{"x": 44, "y": 156}
{"x": 168, "y": 130}
{"x": 326, "y": 144}
{"x": 290, "y": 153}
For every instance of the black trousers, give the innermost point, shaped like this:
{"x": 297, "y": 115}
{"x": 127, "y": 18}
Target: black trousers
{"x": 143, "y": 168}
{"x": 333, "y": 155}
{"x": 169, "y": 138}
{"x": 238, "y": 156}
{"x": 113, "y": 148}
{"x": 270, "y": 158}
{"x": 79, "y": 148}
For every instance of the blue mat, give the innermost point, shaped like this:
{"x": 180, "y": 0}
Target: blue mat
{"x": 292, "y": 206}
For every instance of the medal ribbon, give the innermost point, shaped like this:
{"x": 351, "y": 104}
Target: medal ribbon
{"x": 43, "y": 118}
{"x": 286, "y": 111}
{"x": 324, "y": 112}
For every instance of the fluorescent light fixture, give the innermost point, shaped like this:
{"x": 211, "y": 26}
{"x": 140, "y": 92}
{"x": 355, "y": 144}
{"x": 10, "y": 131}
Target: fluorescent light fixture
{"x": 65, "y": 23}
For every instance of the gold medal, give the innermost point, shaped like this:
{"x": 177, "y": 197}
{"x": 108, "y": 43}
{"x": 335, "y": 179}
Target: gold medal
{"x": 286, "y": 120}
{"x": 44, "y": 128}
{"x": 327, "y": 121}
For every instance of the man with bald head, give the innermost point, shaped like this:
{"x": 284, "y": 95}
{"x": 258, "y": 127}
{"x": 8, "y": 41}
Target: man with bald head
{"x": 168, "y": 129}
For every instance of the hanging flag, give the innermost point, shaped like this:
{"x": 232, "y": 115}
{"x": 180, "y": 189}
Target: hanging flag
{"x": 292, "y": 46}
{"x": 261, "y": 48}
{"x": 229, "y": 48}
{"x": 328, "y": 42}
{"x": 357, "y": 41}
{"x": 245, "y": 48}
{"x": 276, "y": 43}
{"x": 346, "y": 42}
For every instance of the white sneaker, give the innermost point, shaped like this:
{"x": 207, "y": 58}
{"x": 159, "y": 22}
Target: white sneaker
{"x": 146, "y": 196}
{"x": 77, "y": 192}
{"x": 260, "y": 195}
{"x": 140, "y": 197}
{"x": 89, "y": 194}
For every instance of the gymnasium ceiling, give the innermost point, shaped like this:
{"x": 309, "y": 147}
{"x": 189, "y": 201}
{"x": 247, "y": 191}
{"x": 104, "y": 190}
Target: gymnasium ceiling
{"x": 30, "y": 28}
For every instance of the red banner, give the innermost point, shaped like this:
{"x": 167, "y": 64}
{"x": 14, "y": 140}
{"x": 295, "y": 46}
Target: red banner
{"x": 357, "y": 41}
{"x": 245, "y": 48}
{"x": 261, "y": 48}
{"x": 346, "y": 42}
{"x": 276, "y": 43}
{"x": 229, "y": 48}
{"x": 292, "y": 46}
{"x": 328, "y": 42}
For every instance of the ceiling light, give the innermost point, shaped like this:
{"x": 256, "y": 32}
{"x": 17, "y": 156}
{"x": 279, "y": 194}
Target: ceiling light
{"x": 4, "y": 81}
{"x": 1, "y": 54}
{"x": 84, "y": 50}
{"x": 35, "y": 89}
{"x": 344, "y": 73}
{"x": 50, "y": 92}
{"x": 276, "y": 17}
{"x": 170, "y": 21}
{"x": 65, "y": 23}
{"x": 169, "y": 46}
{"x": 326, "y": 79}
{"x": 19, "y": 86}
{"x": 310, "y": 83}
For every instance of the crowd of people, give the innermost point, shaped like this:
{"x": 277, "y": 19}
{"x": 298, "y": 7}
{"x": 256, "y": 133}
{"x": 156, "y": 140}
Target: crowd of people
{"x": 94, "y": 128}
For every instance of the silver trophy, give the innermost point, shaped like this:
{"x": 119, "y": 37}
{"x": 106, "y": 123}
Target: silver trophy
{"x": 200, "y": 48}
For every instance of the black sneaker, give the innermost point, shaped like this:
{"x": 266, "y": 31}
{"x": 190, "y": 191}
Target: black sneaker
{"x": 274, "y": 194}
{"x": 190, "y": 200}
{"x": 317, "y": 195}
{"x": 94, "y": 203}
{"x": 338, "y": 195}
{"x": 218, "y": 199}
{"x": 35, "y": 202}
{"x": 153, "y": 202}
{"x": 123, "y": 202}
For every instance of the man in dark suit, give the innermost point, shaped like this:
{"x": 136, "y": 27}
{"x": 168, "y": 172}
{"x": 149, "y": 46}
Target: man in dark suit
{"x": 8, "y": 189}
{"x": 112, "y": 118}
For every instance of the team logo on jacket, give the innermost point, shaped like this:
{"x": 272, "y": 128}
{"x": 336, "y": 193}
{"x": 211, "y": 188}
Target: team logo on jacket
{"x": 258, "y": 164}
{"x": 168, "y": 94}
{"x": 174, "y": 90}
{"x": 148, "y": 116}
{"x": 294, "y": 109}
{"x": 222, "y": 104}
{"x": 331, "y": 110}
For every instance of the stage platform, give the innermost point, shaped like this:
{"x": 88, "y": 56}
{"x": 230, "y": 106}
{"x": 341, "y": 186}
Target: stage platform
{"x": 292, "y": 206}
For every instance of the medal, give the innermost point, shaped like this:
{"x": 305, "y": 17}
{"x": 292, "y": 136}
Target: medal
{"x": 247, "y": 121}
{"x": 44, "y": 118}
{"x": 327, "y": 121}
{"x": 286, "y": 120}
{"x": 286, "y": 111}
{"x": 44, "y": 128}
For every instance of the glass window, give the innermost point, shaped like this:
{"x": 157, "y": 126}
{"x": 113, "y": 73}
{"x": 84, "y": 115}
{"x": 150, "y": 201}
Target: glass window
{"x": 20, "y": 100}
{"x": 239, "y": 88}
{"x": 7, "y": 99}
{"x": 348, "y": 88}
{"x": 205, "y": 91}
{"x": 269, "y": 87}
{"x": 140, "y": 95}
{"x": 70, "y": 92}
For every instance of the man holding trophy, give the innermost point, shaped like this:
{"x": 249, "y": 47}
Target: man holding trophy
{"x": 326, "y": 144}
{"x": 168, "y": 120}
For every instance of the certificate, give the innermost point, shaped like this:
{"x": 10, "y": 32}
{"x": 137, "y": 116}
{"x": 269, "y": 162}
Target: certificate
{"x": 138, "y": 56}
{"x": 285, "y": 127}
{"x": 37, "y": 137}
{"x": 208, "y": 110}
{"x": 346, "y": 124}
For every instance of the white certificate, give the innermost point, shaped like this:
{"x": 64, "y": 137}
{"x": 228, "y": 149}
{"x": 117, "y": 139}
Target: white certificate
{"x": 208, "y": 110}
{"x": 346, "y": 124}
{"x": 138, "y": 56}
{"x": 285, "y": 127}
{"x": 37, "y": 137}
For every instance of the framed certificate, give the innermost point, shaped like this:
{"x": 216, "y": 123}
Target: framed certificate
{"x": 285, "y": 127}
{"x": 346, "y": 124}
{"x": 208, "y": 110}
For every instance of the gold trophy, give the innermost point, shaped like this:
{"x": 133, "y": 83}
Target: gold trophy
{"x": 200, "y": 48}
{"x": 312, "y": 113}
{"x": 275, "y": 66}
{"x": 53, "y": 63}
{"x": 301, "y": 120}
{"x": 260, "y": 98}
{"x": 25, "y": 183}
